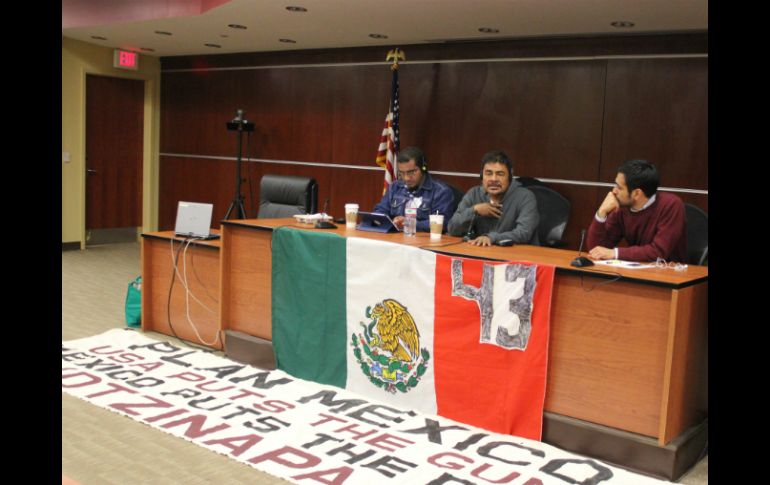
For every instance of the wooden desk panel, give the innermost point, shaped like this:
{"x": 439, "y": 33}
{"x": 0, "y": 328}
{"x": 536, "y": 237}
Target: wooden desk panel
{"x": 246, "y": 280}
{"x": 685, "y": 399}
{"x": 607, "y": 352}
{"x": 202, "y": 278}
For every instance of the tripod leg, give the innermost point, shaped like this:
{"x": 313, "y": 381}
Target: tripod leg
{"x": 229, "y": 210}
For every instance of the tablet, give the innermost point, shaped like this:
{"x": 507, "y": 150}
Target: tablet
{"x": 376, "y": 222}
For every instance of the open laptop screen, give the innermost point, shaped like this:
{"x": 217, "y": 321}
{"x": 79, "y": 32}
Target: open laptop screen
{"x": 193, "y": 219}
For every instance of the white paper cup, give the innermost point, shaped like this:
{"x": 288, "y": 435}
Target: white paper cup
{"x": 436, "y": 226}
{"x": 351, "y": 215}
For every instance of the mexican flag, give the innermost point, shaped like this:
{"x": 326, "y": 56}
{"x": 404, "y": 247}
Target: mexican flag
{"x": 461, "y": 338}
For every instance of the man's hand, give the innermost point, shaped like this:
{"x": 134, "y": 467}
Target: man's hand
{"x": 601, "y": 253}
{"x": 481, "y": 241}
{"x": 489, "y": 209}
{"x": 609, "y": 205}
{"x": 398, "y": 221}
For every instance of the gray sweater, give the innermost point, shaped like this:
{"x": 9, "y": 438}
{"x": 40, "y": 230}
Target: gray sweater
{"x": 518, "y": 222}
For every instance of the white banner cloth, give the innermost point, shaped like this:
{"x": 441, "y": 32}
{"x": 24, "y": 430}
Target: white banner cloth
{"x": 302, "y": 431}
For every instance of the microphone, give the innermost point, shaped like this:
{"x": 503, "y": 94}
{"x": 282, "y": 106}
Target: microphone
{"x": 581, "y": 261}
{"x": 471, "y": 234}
{"x": 321, "y": 224}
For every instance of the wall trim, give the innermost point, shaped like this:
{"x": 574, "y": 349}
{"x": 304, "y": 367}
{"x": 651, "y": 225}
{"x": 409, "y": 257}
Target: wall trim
{"x": 437, "y": 172}
{"x": 446, "y": 61}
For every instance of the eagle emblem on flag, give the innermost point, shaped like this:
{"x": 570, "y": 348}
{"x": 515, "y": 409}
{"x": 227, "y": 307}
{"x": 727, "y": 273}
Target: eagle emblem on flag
{"x": 388, "y": 350}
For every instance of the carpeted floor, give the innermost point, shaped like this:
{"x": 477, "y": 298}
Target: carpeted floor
{"x": 101, "y": 447}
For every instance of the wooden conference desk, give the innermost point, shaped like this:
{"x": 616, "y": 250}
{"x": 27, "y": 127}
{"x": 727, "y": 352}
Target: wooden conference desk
{"x": 200, "y": 264}
{"x": 627, "y": 358}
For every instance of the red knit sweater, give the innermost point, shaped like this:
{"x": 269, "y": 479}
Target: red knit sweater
{"x": 659, "y": 231}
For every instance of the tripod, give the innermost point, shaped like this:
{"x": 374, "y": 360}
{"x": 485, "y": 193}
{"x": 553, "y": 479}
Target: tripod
{"x": 240, "y": 125}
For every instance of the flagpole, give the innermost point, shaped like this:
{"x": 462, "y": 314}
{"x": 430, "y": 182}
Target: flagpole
{"x": 389, "y": 140}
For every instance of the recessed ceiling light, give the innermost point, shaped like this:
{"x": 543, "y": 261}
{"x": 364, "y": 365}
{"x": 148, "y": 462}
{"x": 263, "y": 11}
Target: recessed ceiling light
{"x": 489, "y": 30}
{"x": 287, "y": 41}
{"x": 163, "y": 32}
{"x": 98, "y": 37}
{"x": 378, "y": 36}
{"x": 224, "y": 36}
{"x": 213, "y": 45}
{"x": 622, "y": 24}
{"x": 296, "y": 9}
{"x": 237, "y": 26}
{"x": 147, "y": 49}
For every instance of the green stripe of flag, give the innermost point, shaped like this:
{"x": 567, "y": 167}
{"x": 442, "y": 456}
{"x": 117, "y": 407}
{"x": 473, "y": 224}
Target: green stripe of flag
{"x": 308, "y": 294}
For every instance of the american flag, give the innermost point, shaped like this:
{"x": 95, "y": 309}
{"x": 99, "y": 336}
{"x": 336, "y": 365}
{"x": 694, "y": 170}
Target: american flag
{"x": 389, "y": 142}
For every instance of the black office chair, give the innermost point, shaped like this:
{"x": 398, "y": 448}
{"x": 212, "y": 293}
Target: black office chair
{"x": 287, "y": 195}
{"x": 554, "y": 210}
{"x": 529, "y": 181}
{"x": 697, "y": 235}
{"x": 457, "y": 196}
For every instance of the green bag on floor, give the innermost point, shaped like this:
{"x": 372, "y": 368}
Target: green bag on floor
{"x": 134, "y": 303}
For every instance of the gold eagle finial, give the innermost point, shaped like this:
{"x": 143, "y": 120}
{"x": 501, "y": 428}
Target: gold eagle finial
{"x": 395, "y": 54}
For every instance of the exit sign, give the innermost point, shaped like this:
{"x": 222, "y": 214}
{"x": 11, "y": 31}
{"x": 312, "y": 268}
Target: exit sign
{"x": 126, "y": 60}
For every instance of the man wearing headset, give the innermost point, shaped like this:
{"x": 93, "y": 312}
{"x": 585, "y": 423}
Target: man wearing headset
{"x": 416, "y": 188}
{"x": 500, "y": 210}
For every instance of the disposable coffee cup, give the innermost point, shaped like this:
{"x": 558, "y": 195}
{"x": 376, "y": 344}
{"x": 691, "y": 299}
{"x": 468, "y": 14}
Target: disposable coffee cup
{"x": 436, "y": 226}
{"x": 351, "y": 215}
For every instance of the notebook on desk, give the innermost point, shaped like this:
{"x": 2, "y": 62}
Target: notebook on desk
{"x": 376, "y": 222}
{"x": 193, "y": 220}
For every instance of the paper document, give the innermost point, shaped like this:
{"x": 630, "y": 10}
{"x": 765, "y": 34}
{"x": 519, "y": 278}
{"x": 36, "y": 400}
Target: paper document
{"x": 625, "y": 264}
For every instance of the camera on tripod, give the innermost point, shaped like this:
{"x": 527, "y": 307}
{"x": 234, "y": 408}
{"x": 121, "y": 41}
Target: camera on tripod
{"x": 239, "y": 123}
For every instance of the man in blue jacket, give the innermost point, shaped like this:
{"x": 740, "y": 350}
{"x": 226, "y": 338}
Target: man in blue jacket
{"x": 416, "y": 188}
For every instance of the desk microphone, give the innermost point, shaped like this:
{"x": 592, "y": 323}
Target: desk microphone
{"x": 581, "y": 261}
{"x": 320, "y": 223}
{"x": 471, "y": 234}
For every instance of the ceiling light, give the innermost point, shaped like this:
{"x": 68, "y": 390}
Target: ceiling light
{"x": 287, "y": 41}
{"x": 213, "y": 45}
{"x": 622, "y": 24}
{"x": 296, "y": 9}
{"x": 163, "y": 32}
{"x": 237, "y": 26}
{"x": 489, "y": 30}
{"x": 98, "y": 37}
{"x": 378, "y": 36}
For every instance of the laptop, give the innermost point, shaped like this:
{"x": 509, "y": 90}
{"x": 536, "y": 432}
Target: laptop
{"x": 376, "y": 222}
{"x": 193, "y": 220}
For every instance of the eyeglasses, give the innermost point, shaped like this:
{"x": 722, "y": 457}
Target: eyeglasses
{"x": 408, "y": 173}
{"x": 663, "y": 264}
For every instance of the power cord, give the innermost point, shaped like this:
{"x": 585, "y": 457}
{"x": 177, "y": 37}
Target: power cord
{"x": 441, "y": 245}
{"x": 175, "y": 258}
{"x": 582, "y": 283}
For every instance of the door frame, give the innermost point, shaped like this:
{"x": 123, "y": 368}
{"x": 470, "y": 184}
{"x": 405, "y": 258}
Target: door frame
{"x": 150, "y": 148}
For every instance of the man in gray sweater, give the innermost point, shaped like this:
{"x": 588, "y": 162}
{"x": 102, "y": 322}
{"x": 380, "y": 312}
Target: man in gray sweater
{"x": 500, "y": 210}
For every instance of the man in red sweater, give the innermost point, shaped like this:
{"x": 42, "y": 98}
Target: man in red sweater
{"x": 653, "y": 223}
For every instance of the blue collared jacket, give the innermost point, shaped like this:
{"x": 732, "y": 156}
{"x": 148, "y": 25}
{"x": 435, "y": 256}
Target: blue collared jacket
{"x": 435, "y": 195}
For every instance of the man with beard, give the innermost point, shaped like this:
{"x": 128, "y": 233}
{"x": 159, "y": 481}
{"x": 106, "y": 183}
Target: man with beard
{"x": 500, "y": 210}
{"x": 652, "y": 223}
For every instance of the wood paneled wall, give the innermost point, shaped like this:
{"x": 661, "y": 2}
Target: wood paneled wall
{"x": 568, "y": 109}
